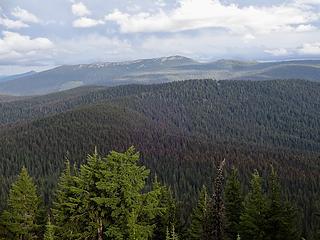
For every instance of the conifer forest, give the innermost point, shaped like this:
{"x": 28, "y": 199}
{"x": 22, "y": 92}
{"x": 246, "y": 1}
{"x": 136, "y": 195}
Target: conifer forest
{"x": 160, "y": 120}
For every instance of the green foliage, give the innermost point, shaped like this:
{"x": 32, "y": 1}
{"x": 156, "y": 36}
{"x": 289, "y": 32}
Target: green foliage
{"x": 49, "y": 233}
{"x": 281, "y": 217}
{"x": 168, "y": 211}
{"x": 171, "y": 234}
{"x": 199, "y": 218}
{"x": 233, "y": 204}
{"x": 180, "y": 127}
{"x": 107, "y": 199}
{"x": 207, "y": 220}
{"x": 64, "y": 204}
{"x": 268, "y": 217}
{"x": 20, "y": 216}
{"x": 253, "y": 218}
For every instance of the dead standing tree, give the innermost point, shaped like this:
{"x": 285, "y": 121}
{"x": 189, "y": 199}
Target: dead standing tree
{"x": 218, "y": 204}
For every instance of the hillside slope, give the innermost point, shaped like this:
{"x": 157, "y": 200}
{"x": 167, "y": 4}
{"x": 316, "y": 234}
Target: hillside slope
{"x": 181, "y": 128}
{"x": 157, "y": 70}
{"x": 109, "y": 74}
{"x": 273, "y": 110}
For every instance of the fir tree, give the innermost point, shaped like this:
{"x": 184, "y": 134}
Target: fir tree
{"x": 253, "y": 218}
{"x": 233, "y": 204}
{"x": 199, "y": 218}
{"x": 281, "y": 218}
{"x": 167, "y": 211}
{"x": 20, "y": 216}
{"x": 49, "y": 233}
{"x": 106, "y": 199}
{"x": 64, "y": 206}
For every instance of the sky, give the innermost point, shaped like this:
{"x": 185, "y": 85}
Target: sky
{"x": 37, "y": 34}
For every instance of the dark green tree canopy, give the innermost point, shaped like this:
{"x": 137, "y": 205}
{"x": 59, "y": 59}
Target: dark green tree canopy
{"x": 107, "y": 198}
{"x": 23, "y": 205}
{"x": 233, "y": 204}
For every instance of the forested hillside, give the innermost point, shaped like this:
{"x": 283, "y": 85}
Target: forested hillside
{"x": 182, "y": 130}
{"x": 108, "y": 198}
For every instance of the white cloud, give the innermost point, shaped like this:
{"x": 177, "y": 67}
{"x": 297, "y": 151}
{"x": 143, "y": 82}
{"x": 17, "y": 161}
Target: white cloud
{"x": 310, "y": 48}
{"x": 160, "y": 3}
{"x": 85, "y": 22}
{"x": 277, "y": 52}
{"x": 196, "y": 14}
{"x": 304, "y": 49}
{"x": 308, "y": 2}
{"x": 306, "y": 28}
{"x": 12, "y": 24}
{"x": 24, "y": 15}
{"x": 91, "y": 48}
{"x": 248, "y": 38}
{"x": 80, "y": 10}
{"x": 204, "y": 45}
{"x": 14, "y": 46}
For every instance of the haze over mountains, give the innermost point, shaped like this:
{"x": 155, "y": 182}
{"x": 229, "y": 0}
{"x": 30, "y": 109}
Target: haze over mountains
{"x": 16, "y": 76}
{"x": 157, "y": 70}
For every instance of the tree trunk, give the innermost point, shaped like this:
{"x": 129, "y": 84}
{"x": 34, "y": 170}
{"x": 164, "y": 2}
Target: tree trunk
{"x": 100, "y": 230}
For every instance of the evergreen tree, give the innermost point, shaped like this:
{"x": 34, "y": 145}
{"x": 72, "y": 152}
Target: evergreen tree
{"x": 49, "y": 233}
{"x": 106, "y": 199}
{"x": 199, "y": 218}
{"x": 253, "y": 218}
{"x": 23, "y": 202}
{"x": 233, "y": 204}
{"x": 64, "y": 206}
{"x": 167, "y": 216}
{"x": 281, "y": 218}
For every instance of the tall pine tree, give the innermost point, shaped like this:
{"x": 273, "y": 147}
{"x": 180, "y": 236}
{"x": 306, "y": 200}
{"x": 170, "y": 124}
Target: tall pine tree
{"x": 167, "y": 216}
{"x": 199, "y": 219}
{"x": 65, "y": 205}
{"x": 233, "y": 204}
{"x": 20, "y": 217}
{"x": 281, "y": 217}
{"x": 253, "y": 218}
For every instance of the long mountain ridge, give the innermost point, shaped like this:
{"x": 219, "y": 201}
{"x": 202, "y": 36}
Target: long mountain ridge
{"x": 152, "y": 71}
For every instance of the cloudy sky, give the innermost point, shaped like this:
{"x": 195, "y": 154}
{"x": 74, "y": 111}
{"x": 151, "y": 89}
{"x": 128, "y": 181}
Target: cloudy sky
{"x": 37, "y": 34}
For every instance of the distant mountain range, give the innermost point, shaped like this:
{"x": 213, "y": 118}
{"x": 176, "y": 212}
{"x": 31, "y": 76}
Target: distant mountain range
{"x": 157, "y": 70}
{"x": 16, "y": 76}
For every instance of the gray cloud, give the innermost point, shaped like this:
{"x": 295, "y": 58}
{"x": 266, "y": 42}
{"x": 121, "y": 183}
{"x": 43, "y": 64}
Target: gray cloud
{"x": 81, "y": 31}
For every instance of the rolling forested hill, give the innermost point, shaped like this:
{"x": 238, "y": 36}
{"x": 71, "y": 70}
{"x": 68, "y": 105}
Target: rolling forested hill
{"x": 153, "y": 71}
{"x": 181, "y": 129}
